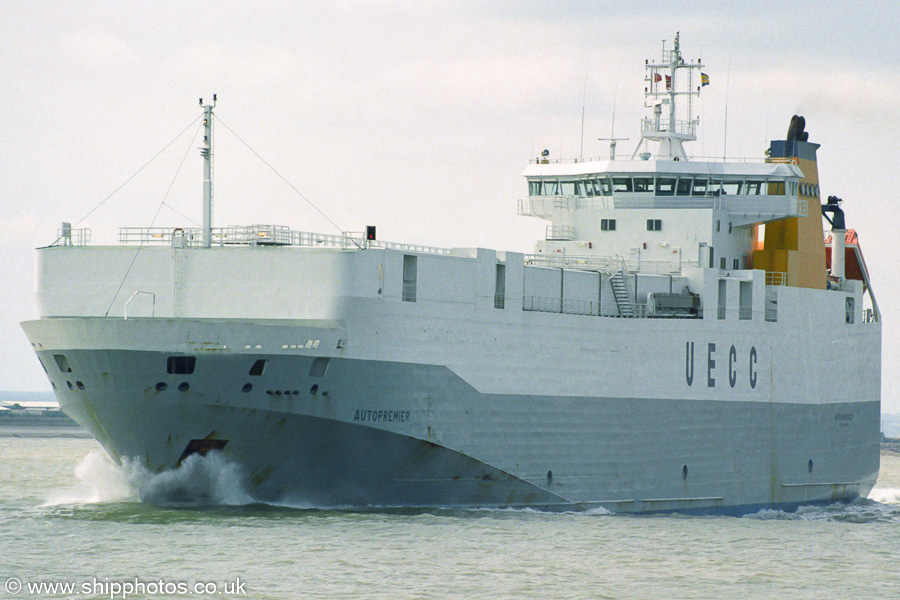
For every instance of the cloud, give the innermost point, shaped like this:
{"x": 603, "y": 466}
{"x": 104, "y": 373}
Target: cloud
{"x": 240, "y": 66}
{"x": 97, "y": 50}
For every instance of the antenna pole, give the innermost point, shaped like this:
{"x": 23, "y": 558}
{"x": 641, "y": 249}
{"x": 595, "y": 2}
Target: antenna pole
{"x": 725, "y": 133}
{"x": 206, "y": 151}
{"x": 583, "y": 102}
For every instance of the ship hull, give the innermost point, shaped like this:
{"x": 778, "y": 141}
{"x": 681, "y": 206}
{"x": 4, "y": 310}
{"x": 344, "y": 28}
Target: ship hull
{"x": 372, "y": 432}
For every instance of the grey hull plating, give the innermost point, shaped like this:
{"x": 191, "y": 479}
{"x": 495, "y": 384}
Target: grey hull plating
{"x": 372, "y": 433}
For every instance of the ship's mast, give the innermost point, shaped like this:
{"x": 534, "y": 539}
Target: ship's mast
{"x": 670, "y": 80}
{"x": 206, "y": 151}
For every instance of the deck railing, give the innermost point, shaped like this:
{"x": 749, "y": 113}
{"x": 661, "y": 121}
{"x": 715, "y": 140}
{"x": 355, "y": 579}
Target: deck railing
{"x": 260, "y": 235}
{"x": 776, "y": 278}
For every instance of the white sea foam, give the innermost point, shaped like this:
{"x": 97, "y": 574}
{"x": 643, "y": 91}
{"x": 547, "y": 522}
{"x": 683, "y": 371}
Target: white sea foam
{"x": 200, "y": 480}
{"x": 98, "y": 479}
{"x": 885, "y": 495}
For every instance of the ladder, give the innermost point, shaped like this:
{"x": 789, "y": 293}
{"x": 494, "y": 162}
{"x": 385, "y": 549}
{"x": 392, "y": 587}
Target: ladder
{"x": 622, "y": 293}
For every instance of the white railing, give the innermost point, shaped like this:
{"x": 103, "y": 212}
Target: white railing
{"x": 776, "y": 278}
{"x": 658, "y": 267}
{"x": 406, "y": 247}
{"x": 681, "y": 127}
{"x": 261, "y": 235}
{"x": 564, "y": 306}
{"x": 577, "y": 307}
{"x": 66, "y": 236}
{"x": 695, "y": 158}
{"x": 607, "y": 264}
{"x": 560, "y": 233}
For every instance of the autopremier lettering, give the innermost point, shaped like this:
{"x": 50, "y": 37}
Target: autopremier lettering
{"x": 381, "y": 416}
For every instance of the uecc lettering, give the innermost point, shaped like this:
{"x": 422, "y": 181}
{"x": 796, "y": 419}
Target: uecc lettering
{"x": 734, "y": 361}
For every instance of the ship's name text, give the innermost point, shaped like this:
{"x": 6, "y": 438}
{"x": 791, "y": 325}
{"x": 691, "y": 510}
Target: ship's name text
{"x": 381, "y": 416}
{"x": 741, "y": 367}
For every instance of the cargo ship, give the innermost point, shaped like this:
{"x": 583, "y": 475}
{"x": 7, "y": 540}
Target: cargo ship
{"x": 682, "y": 339}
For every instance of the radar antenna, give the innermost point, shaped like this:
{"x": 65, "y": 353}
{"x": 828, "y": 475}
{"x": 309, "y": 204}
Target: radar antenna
{"x": 670, "y": 81}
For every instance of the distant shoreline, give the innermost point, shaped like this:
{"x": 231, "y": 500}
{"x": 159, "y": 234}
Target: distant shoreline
{"x": 890, "y": 448}
{"x": 45, "y": 425}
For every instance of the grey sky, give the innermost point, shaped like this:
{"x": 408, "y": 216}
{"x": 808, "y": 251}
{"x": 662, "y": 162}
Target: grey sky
{"x": 417, "y": 117}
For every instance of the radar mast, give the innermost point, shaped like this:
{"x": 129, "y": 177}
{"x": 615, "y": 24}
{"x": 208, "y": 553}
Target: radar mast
{"x": 670, "y": 85}
{"x": 206, "y": 151}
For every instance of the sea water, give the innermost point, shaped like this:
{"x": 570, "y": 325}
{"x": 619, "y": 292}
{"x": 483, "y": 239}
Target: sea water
{"x": 70, "y": 517}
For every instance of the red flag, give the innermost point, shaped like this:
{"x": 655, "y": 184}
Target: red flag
{"x": 668, "y": 82}
{"x": 657, "y": 77}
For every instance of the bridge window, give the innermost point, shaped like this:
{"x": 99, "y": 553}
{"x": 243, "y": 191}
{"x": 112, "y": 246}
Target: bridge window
{"x": 534, "y": 188}
{"x": 622, "y": 185}
{"x": 568, "y": 188}
{"x": 700, "y": 187}
{"x": 753, "y": 188}
{"x": 643, "y": 184}
{"x": 732, "y": 188}
{"x": 665, "y": 187}
{"x": 684, "y": 186}
{"x": 776, "y": 188}
{"x": 605, "y": 186}
{"x": 587, "y": 187}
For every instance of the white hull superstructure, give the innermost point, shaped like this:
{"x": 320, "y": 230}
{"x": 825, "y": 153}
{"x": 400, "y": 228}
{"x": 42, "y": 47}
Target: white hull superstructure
{"x": 652, "y": 354}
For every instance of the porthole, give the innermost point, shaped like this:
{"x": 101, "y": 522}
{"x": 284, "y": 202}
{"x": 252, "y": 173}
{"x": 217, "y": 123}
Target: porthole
{"x": 184, "y": 386}
{"x": 314, "y": 388}
{"x": 162, "y": 386}
{"x": 247, "y": 387}
{"x": 684, "y": 472}
{"x": 809, "y": 466}
{"x": 69, "y": 383}
{"x": 79, "y": 385}
{"x": 549, "y": 477}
